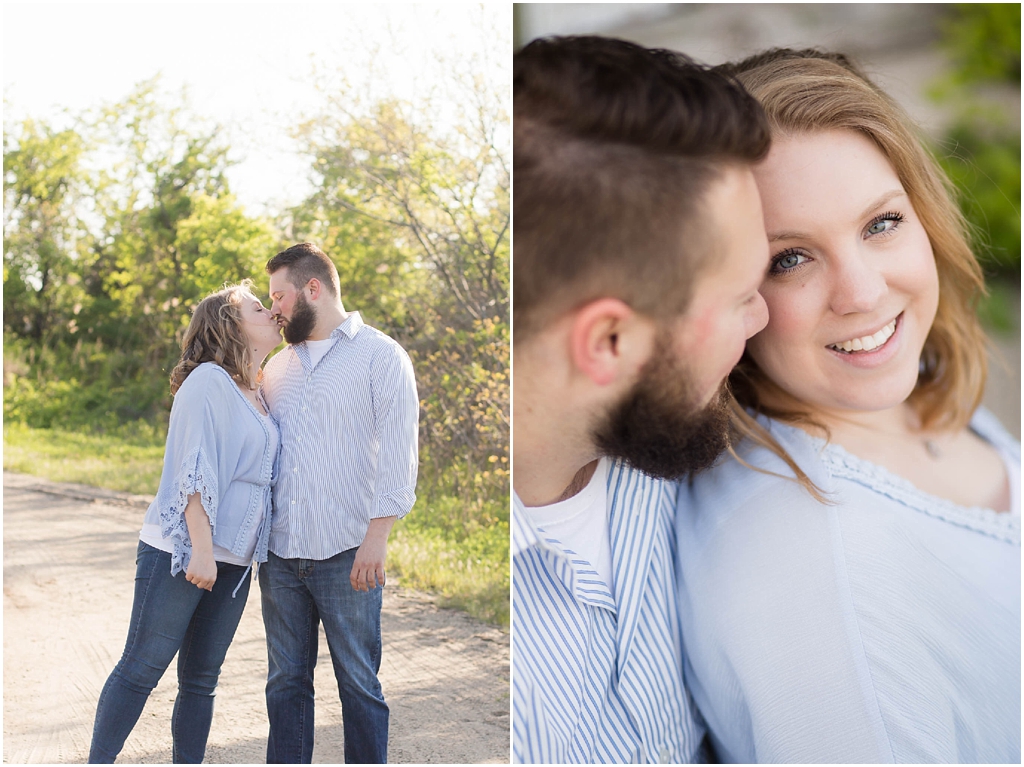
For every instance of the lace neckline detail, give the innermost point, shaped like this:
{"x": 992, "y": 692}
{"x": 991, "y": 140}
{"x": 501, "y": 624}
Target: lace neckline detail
{"x": 840, "y": 463}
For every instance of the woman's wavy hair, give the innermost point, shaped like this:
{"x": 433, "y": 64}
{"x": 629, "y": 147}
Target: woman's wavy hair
{"x": 215, "y": 334}
{"x": 805, "y": 91}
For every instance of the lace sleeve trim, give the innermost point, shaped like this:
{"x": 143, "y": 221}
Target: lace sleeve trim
{"x": 196, "y": 475}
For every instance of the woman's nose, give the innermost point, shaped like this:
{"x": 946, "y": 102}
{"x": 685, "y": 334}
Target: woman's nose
{"x": 859, "y": 284}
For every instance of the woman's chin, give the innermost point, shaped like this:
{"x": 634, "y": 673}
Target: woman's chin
{"x": 874, "y": 397}
{"x": 861, "y": 391}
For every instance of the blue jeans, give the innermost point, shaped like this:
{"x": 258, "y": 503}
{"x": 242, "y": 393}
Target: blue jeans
{"x": 298, "y": 594}
{"x": 170, "y": 615}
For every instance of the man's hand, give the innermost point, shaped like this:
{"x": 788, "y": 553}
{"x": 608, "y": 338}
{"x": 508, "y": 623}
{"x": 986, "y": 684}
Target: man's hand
{"x": 202, "y": 570}
{"x": 368, "y": 569}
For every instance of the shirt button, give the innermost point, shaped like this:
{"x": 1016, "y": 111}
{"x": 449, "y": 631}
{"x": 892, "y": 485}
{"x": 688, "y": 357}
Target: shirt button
{"x": 293, "y": 503}
{"x": 663, "y": 756}
{"x": 296, "y": 470}
{"x": 304, "y": 410}
{"x": 298, "y": 439}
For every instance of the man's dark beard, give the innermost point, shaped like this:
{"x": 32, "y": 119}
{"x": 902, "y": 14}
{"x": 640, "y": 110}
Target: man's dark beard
{"x": 300, "y": 326}
{"x": 657, "y": 429}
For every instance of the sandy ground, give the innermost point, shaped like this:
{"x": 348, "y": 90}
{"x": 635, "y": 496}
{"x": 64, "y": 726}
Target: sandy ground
{"x": 69, "y": 554}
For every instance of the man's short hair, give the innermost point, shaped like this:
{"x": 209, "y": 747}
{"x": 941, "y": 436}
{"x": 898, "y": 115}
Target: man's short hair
{"x": 306, "y": 261}
{"x": 614, "y": 148}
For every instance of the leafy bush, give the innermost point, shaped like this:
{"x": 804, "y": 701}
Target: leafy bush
{"x": 986, "y": 171}
{"x": 984, "y": 40}
{"x": 981, "y": 153}
{"x": 82, "y": 387}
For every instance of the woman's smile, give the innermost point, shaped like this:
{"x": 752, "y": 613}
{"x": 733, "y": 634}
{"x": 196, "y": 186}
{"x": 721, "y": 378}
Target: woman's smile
{"x": 867, "y": 342}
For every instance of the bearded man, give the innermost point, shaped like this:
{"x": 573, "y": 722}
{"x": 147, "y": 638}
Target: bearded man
{"x": 344, "y": 396}
{"x": 638, "y": 251}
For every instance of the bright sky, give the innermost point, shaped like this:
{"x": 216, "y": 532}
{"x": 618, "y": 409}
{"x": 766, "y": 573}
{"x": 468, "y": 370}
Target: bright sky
{"x": 247, "y": 66}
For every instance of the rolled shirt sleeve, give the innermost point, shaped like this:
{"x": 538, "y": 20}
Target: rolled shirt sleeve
{"x": 396, "y": 426}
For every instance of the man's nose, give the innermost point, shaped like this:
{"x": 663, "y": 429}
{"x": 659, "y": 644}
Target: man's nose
{"x": 757, "y": 316}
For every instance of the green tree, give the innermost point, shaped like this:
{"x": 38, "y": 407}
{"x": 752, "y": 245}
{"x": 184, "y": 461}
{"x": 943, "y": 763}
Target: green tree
{"x": 45, "y": 242}
{"x": 172, "y": 230}
{"x": 981, "y": 152}
{"x": 102, "y": 267}
{"x": 416, "y": 215}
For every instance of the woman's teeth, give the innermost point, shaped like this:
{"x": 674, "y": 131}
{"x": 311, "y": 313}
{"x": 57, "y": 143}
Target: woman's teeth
{"x": 867, "y": 343}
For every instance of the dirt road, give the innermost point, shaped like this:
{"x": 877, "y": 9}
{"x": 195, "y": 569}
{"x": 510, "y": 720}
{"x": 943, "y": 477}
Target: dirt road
{"x": 69, "y": 567}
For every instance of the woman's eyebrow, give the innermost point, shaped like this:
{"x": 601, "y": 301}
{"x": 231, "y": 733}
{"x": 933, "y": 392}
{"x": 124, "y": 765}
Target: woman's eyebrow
{"x": 890, "y": 195}
{"x": 790, "y": 234}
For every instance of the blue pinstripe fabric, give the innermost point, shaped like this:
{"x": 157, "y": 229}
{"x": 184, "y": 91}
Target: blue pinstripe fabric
{"x": 349, "y": 431}
{"x": 597, "y": 679}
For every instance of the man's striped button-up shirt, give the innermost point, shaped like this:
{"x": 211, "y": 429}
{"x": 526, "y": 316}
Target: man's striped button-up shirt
{"x": 598, "y": 679}
{"x": 349, "y": 430}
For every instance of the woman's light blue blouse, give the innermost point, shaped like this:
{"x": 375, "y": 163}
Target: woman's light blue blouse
{"x": 218, "y": 445}
{"x": 884, "y": 628}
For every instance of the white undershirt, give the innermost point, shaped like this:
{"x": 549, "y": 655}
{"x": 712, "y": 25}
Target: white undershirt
{"x": 580, "y": 523}
{"x": 317, "y": 350}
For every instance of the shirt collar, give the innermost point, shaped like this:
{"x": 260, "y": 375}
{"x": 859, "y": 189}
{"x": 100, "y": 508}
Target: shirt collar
{"x": 350, "y": 327}
{"x": 524, "y": 534}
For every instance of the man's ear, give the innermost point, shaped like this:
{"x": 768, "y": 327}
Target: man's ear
{"x": 609, "y": 341}
{"x": 314, "y": 288}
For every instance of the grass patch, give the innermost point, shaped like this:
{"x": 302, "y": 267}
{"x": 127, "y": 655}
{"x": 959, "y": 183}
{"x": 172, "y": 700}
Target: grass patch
{"x": 122, "y": 461}
{"x": 466, "y": 564}
{"x": 471, "y": 574}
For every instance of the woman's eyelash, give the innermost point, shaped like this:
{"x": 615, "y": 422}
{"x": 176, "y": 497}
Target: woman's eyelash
{"x": 775, "y": 267}
{"x": 893, "y": 215}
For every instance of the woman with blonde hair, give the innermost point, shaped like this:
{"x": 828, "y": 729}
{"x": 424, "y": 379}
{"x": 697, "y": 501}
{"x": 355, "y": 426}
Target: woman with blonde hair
{"x": 850, "y": 576}
{"x": 209, "y": 521}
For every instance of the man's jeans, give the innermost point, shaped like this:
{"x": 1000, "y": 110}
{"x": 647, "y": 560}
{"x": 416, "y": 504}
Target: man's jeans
{"x": 170, "y": 614}
{"x": 297, "y": 595}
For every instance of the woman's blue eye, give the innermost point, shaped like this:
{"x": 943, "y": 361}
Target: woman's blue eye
{"x": 885, "y": 223}
{"x": 788, "y": 261}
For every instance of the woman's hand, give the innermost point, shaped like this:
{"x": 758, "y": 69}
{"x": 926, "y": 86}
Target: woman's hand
{"x": 202, "y": 568}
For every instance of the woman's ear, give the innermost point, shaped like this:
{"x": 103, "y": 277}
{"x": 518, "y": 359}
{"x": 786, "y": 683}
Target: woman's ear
{"x": 608, "y": 341}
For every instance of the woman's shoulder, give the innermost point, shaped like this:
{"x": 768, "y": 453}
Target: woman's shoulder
{"x": 208, "y": 383}
{"x": 755, "y": 487}
{"x": 205, "y": 375}
{"x": 754, "y": 469}
{"x": 805, "y": 450}
{"x": 985, "y": 424}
